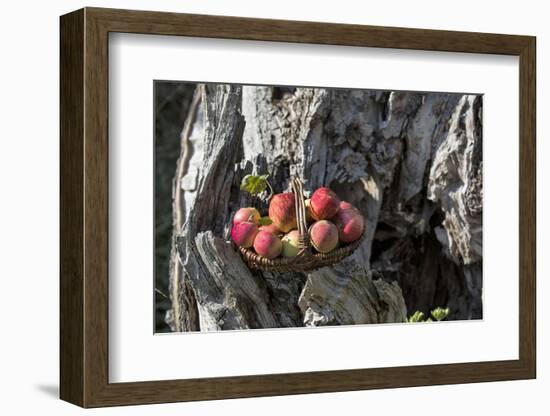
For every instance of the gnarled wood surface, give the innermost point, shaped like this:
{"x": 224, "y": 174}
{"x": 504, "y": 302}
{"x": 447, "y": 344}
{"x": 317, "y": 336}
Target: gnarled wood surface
{"x": 411, "y": 162}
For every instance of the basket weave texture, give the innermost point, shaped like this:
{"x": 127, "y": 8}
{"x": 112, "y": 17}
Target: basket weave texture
{"x": 307, "y": 259}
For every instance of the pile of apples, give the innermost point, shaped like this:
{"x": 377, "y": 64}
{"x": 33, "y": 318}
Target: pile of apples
{"x": 331, "y": 222}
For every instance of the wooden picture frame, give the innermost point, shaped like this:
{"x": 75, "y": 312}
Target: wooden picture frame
{"x": 84, "y": 207}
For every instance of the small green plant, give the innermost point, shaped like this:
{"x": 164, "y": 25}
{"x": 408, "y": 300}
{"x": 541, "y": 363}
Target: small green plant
{"x": 416, "y": 317}
{"x": 256, "y": 185}
{"x": 438, "y": 314}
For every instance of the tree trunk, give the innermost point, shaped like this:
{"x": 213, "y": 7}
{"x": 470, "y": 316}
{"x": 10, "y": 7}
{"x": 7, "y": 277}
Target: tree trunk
{"x": 411, "y": 162}
{"x": 172, "y": 101}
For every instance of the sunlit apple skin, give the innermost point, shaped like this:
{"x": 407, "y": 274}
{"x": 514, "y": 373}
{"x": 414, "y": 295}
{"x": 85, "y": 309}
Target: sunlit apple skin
{"x": 324, "y": 204}
{"x": 271, "y": 228}
{"x": 267, "y": 245}
{"x": 247, "y": 214}
{"x": 350, "y": 224}
{"x": 324, "y": 236}
{"x": 282, "y": 211}
{"x": 291, "y": 244}
{"x": 244, "y": 234}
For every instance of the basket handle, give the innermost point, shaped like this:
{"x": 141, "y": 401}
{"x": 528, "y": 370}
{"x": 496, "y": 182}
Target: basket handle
{"x": 301, "y": 217}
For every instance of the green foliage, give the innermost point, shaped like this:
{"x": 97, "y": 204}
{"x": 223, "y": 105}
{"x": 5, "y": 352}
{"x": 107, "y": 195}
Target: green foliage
{"x": 416, "y": 317}
{"x": 265, "y": 221}
{"x": 254, "y": 184}
{"x": 439, "y": 314}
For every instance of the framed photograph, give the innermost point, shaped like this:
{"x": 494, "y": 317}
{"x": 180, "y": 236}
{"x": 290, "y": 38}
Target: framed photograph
{"x": 257, "y": 207}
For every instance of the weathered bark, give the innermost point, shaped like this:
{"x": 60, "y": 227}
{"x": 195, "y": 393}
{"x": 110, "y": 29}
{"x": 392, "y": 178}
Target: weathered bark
{"x": 385, "y": 152}
{"x": 184, "y": 314}
{"x": 429, "y": 235}
{"x": 172, "y": 101}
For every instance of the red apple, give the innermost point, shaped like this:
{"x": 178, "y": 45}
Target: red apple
{"x": 244, "y": 233}
{"x": 350, "y": 224}
{"x": 347, "y": 205}
{"x": 309, "y": 216}
{"x": 267, "y": 245}
{"x": 291, "y": 244}
{"x": 247, "y": 214}
{"x": 282, "y": 211}
{"x": 324, "y": 204}
{"x": 324, "y": 236}
{"x": 271, "y": 228}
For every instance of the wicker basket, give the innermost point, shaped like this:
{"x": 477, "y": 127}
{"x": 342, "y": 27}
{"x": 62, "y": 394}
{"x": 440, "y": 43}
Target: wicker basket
{"x": 307, "y": 259}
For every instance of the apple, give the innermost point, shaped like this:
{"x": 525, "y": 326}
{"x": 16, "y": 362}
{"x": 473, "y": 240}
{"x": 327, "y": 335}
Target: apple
{"x": 282, "y": 211}
{"x": 347, "y": 205}
{"x": 324, "y": 236}
{"x": 267, "y": 245}
{"x": 350, "y": 223}
{"x": 309, "y": 216}
{"x": 247, "y": 214}
{"x": 271, "y": 228}
{"x": 291, "y": 244}
{"x": 324, "y": 204}
{"x": 244, "y": 233}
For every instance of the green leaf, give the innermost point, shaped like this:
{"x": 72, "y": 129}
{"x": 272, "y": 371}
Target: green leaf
{"x": 418, "y": 316}
{"x": 265, "y": 221}
{"x": 439, "y": 313}
{"x": 254, "y": 185}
